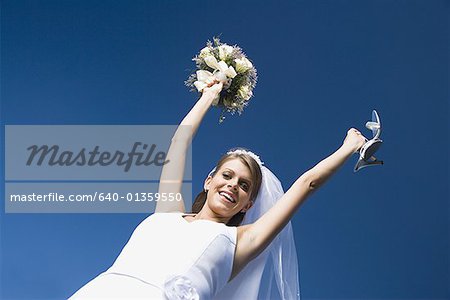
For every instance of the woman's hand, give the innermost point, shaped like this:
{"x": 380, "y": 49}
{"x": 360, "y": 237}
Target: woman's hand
{"x": 354, "y": 140}
{"x": 213, "y": 90}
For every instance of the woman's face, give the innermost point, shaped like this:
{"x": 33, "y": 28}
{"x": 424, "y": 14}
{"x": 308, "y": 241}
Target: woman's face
{"x": 230, "y": 188}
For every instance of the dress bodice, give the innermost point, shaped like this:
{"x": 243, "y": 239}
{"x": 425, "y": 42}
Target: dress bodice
{"x": 166, "y": 245}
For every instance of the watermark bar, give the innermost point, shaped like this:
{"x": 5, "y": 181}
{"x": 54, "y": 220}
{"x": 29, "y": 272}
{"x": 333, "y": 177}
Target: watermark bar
{"x": 94, "y": 168}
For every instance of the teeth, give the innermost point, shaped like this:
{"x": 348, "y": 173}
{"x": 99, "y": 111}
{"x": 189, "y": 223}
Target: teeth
{"x": 227, "y": 196}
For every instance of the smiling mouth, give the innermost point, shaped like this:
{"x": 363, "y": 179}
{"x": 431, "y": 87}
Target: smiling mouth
{"x": 227, "y": 197}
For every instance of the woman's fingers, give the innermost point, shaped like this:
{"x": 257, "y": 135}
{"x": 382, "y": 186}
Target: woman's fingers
{"x": 213, "y": 82}
{"x": 355, "y": 130}
{"x": 355, "y": 139}
{"x": 213, "y": 90}
{"x": 217, "y": 87}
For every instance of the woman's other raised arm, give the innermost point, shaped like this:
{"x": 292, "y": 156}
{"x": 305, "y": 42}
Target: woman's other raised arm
{"x": 254, "y": 238}
{"x": 172, "y": 173}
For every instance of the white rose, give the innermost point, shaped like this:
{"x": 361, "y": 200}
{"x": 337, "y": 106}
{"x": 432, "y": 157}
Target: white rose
{"x": 230, "y": 72}
{"x": 180, "y": 288}
{"x": 211, "y": 61}
{"x": 245, "y": 92}
{"x": 243, "y": 64}
{"x": 224, "y": 51}
{"x": 205, "y": 52}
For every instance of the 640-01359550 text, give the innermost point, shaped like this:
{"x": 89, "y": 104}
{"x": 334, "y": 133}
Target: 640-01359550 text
{"x": 97, "y": 196}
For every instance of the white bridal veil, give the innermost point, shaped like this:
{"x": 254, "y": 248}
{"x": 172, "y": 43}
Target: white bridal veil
{"x": 274, "y": 273}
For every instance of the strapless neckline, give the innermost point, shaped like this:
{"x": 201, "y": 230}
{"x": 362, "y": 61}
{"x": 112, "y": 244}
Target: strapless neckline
{"x": 183, "y": 215}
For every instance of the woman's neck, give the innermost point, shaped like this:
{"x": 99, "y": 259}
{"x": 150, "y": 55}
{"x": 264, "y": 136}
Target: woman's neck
{"x": 207, "y": 214}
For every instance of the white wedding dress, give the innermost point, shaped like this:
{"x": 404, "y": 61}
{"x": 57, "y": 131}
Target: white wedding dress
{"x": 168, "y": 257}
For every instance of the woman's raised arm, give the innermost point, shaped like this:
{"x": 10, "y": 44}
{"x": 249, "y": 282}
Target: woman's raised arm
{"x": 172, "y": 173}
{"x": 254, "y": 238}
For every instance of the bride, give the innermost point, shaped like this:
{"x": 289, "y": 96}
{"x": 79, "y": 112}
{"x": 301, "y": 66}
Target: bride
{"x": 240, "y": 219}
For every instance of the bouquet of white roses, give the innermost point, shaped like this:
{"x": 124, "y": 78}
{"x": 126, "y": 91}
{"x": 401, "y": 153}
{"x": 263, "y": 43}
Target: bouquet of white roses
{"x": 228, "y": 64}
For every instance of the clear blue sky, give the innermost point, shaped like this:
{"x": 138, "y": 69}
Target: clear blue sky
{"x": 323, "y": 66}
